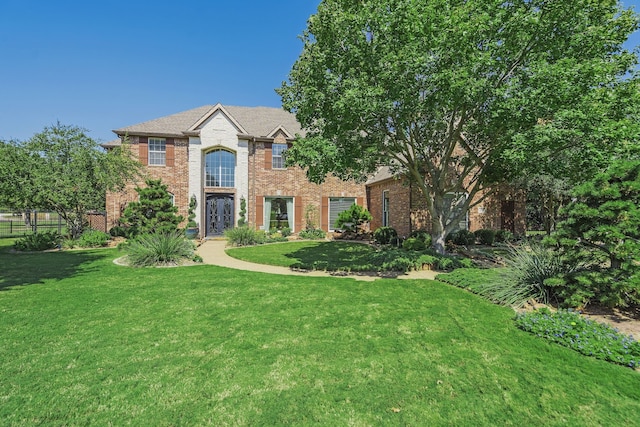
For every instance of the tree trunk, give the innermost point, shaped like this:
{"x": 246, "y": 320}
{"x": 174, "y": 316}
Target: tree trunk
{"x": 438, "y": 236}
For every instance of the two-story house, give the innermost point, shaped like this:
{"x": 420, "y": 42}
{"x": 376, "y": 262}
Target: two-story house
{"x": 222, "y": 154}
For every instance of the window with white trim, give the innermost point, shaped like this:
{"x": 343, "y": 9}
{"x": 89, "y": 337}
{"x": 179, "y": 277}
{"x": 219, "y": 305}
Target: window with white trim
{"x": 157, "y": 151}
{"x": 385, "y": 208}
{"x": 337, "y": 205}
{"x": 219, "y": 168}
{"x": 277, "y": 159}
{"x": 173, "y": 198}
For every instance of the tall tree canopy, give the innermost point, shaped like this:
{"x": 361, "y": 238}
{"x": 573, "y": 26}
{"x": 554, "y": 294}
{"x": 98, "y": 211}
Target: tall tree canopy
{"x": 447, "y": 91}
{"x": 63, "y": 170}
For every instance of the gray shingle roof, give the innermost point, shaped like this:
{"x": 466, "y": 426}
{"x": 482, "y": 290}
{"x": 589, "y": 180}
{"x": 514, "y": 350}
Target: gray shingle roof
{"x": 256, "y": 121}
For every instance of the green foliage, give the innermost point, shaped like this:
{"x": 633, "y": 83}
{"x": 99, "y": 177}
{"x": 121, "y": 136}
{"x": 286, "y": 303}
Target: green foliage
{"x": 243, "y": 212}
{"x": 153, "y": 249}
{"x": 504, "y": 236}
{"x": 119, "y": 231}
{"x": 353, "y": 218}
{"x": 601, "y": 233}
{"x": 413, "y": 244}
{"x": 570, "y": 329}
{"x": 61, "y": 169}
{"x": 473, "y": 279}
{"x": 193, "y": 204}
{"x": 312, "y": 234}
{"x": 383, "y": 235}
{"x": 170, "y": 340}
{"x": 463, "y": 238}
{"x": 38, "y": 242}
{"x": 90, "y": 239}
{"x": 153, "y": 213}
{"x": 422, "y": 235}
{"x": 485, "y": 236}
{"x": 447, "y": 91}
{"x": 244, "y": 236}
{"x": 285, "y": 232}
{"x": 528, "y": 267}
{"x": 605, "y": 218}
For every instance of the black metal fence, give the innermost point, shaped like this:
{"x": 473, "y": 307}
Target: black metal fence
{"x": 22, "y": 223}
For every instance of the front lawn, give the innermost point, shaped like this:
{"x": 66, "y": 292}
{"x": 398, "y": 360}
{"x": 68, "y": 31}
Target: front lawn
{"x": 87, "y": 342}
{"x": 334, "y": 254}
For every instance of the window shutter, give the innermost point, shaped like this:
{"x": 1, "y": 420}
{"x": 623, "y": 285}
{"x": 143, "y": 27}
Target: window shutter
{"x": 143, "y": 146}
{"x": 170, "y": 152}
{"x": 259, "y": 211}
{"x": 298, "y": 213}
{"x": 360, "y": 201}
{"x": 267, "y": 155}
{"x": 324, "y": 214}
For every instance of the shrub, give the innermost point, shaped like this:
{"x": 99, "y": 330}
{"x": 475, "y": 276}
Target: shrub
{"x": 242, "y": 220}
{"x": 609, "y": 288}
{"x": 160, "y": 249}
{"x": 504, "y": 236}
{"x": 528, "y": 267}
{"x": 356, "y": 215}
{"x": 485, "y": 236}
{"x": 396, "y": 241}
{"x": 119, "y": 231}
{"x": 402, "y": 264}
{"x": 285, "y": 232}
{"x": 312, "y": 234}
{"x": 38, "y": 242}
{"x": 153, "y": 213}
{"x": 91, "y": 239}
{"x": 413, "y": 244}
{"x": 244, "y": 236}
{"x": 422, "y": 235}
{"x": 463, "y": 238}
{"x": 383, "y": 235}
{"x": 570, "y": 329}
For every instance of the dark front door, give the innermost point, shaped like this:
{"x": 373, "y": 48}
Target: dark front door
{"x": 220, "y": 214}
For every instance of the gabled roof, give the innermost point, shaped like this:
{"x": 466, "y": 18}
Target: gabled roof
{"x": 259, "y": 122}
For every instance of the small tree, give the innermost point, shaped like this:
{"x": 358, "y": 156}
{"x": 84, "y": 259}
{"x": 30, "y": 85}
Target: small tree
{"x": 243, "y": 212}
{"x": 353, "y": 218}
{"x": 61, "y": 169}
{"x": 193, "y": 204}
{"x": 153, "y": 213}
{"x": 601, "y": 232}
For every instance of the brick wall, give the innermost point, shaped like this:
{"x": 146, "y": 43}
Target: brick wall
{"x": 408, "y": 211}
{"x": 175, "y": 177}
{"x": 399, "y": 205}
{"x": 292, "y": 182}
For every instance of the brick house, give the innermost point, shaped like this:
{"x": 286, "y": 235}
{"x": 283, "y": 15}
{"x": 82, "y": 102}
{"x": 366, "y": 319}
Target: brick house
{"x": 396, "y": 203}
{"x": 221, "y": 154}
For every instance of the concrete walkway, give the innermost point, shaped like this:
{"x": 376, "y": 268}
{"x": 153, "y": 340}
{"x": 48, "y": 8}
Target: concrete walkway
{"x": 213, "y": 252}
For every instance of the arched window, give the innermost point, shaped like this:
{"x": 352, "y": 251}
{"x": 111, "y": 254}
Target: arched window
{"x": 219, "y": 169}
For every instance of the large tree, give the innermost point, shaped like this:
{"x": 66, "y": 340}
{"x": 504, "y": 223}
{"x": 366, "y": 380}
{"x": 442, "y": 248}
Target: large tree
{"x": 445, "y": 91}
{"x": 61, "y": 169}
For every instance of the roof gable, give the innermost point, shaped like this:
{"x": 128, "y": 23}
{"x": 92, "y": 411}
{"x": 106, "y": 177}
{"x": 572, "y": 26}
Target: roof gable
{"x": 260, "y": 122}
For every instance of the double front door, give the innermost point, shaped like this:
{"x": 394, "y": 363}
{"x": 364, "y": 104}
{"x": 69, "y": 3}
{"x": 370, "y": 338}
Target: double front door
{"x": 220, "y": 213}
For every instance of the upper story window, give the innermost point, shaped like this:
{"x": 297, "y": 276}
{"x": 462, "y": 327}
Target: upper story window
{"x": 219, "y": 169}
{"x": 277, "y": 159}
{"x": 157, "y": 151}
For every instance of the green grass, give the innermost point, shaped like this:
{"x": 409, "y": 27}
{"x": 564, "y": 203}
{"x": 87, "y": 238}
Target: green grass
{"x": 473, "y": 279}
{"x": 338, "y": 255}
{"x": 87, "y": 342}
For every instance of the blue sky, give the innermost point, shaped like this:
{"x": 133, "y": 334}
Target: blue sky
{"x": 107, "y": 64}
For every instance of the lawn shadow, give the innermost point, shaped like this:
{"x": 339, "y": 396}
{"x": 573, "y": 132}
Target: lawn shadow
{"x": 22, "y": 269}
{"x": 340, "y": 258}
